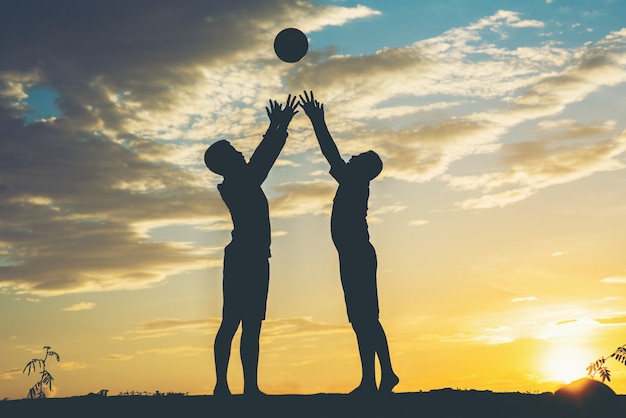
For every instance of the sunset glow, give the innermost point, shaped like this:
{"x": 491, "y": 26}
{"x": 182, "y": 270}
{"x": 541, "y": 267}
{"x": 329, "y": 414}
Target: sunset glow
{"x": 499, "y": 219}
{"x": 566, "y": 363}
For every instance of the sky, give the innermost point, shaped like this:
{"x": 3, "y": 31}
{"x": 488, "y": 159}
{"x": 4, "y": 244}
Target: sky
{"x": 499, "y": 218}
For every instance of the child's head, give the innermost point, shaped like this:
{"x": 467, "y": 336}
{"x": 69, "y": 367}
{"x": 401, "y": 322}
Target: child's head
{"x": 368, "y": 164}
{"x": 222, "y": 158}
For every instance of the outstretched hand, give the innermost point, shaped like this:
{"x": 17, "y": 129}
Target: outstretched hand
{"x": 313, "y": 109}
{"x": 281, "y": 117}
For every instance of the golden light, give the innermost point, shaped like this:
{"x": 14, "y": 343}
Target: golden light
{"x": 566, "y": 363}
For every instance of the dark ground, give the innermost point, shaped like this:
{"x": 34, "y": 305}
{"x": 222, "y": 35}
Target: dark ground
{"x": 436, "y": 403}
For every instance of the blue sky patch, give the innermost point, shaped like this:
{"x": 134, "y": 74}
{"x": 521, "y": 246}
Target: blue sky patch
{"x": 41, "y": 101}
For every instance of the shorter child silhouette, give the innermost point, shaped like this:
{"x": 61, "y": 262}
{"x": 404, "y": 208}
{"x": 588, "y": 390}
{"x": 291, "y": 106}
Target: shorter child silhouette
{"x": 357, "y": 257}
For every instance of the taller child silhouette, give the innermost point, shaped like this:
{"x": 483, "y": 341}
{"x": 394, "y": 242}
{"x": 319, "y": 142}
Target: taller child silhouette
{"x": 357, "y": 257}
{"x": 246, "y": 265}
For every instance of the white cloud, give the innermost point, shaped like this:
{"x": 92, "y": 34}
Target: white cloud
{"x": 614, "y": 280}
{"x": 82, "y": 306}
{"x": 375, "y": 215}
{"x": 536, "y": 165}
{"x": 524, "y": 299}
{"x": 316, "y": 18}
{"x": 117, "y": 357}
{"x": 71, "y": 365}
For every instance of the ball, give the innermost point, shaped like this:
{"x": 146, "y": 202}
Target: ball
{"x": 291, "y": 45}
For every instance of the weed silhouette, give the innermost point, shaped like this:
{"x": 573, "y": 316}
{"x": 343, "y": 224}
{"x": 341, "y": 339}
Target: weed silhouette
{"x": 37, "y": 391}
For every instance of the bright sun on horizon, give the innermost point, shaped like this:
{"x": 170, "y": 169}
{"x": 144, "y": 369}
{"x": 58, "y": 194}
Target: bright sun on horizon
{"x": 566, "y": 363}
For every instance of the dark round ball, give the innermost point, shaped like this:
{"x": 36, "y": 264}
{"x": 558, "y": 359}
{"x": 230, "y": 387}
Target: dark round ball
{"x": 291, "y": 45}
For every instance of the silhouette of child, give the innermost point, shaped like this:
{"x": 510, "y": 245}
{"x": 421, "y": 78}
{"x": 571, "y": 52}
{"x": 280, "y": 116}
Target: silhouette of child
{"x": 357, "y": 257}
{"x": 246, "y": 264}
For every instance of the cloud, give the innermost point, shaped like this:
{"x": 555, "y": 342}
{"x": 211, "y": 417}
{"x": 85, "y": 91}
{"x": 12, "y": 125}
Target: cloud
{"x": 375, "y": 215}
{"x": 505, "y": 18}
{"x": 618, "y": 320}
{"x": 272, "y": 328}
{"x": 183, "y": 350}
{"x": 534, "y": 165}
{"x": 299, "y": 327}
{"x": 175, "y": 324}
{"x": 524, "y": 299}
{"x": 530, "y": 83}
{"x": 10, "y": 374}
{"x": 71, "y": 365}
{"x": 418, "y": 222}
{"x": 31, "y": 300}
{"x": 488, "y": 337}
{"x": 569, "y": 129}
{"x": 211, "y": 51}
{"x": 160, "y": 328}
{"x": 82, "y": 306}
{"x": 74, "y": 230}
{"x": 297, "y": 198}
{"x": 93, "y": 255}
{"x": 614, "y": 280}
{"x": 117, "y": 357}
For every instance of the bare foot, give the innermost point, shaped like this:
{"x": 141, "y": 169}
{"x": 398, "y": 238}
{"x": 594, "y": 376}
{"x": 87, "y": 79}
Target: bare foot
{"x": 388, "y": 382}
{"x": 364, "y": 390}
{"x": 221, "y": 391}
{"x": 253, "y": 392}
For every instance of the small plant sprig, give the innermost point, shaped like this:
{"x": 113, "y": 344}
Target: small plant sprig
{"x": 37, "y": 391}
{"x": 598, "y": 366}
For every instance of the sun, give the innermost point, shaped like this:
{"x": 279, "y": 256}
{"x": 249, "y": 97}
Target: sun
{"x": 565, "y": 363}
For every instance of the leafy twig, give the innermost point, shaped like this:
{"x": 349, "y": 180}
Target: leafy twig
{"x": 598, "y": 366}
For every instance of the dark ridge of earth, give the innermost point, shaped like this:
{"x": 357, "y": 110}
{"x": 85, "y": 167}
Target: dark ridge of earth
{"x": 436, "y": 403}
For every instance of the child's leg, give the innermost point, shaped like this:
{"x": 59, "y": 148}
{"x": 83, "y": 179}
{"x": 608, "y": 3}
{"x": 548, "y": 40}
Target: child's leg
{"x": 249, "y": 351}
{"x": 221, "y": 348}
{"x": 367, "y": 353}
{"x": 389, "y": 378}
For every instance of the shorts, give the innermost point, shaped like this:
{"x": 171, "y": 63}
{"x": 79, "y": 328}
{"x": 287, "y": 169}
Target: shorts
{"x": 245, "y": 286}
{"x": 357, "y": 267}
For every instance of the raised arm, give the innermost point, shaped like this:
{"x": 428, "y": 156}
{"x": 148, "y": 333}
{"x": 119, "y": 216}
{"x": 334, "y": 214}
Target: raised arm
{"x": 274, "y": 139}
{"x": 315, "y": 111}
